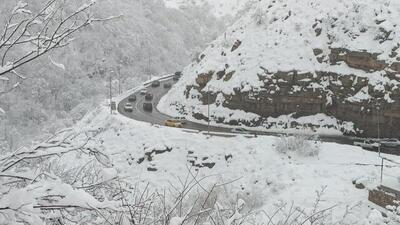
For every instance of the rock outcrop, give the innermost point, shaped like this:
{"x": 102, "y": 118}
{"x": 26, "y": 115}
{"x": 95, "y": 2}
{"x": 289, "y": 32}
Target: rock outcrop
{"x": 323, "y": 92}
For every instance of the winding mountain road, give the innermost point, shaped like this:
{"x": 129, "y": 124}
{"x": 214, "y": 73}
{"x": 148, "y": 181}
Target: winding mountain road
{"x": 156, "y": 117}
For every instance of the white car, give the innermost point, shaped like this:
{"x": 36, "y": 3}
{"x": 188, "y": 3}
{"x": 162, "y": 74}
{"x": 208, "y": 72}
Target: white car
{"x": 391, "y": 143}
{"x": 367, "y": 144}
{"x": 128, "y": 107}
{"x": 143, "y": 92}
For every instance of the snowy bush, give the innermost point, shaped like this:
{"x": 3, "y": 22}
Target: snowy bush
{"x": 206, "y": 205}
{"x": 259, "y": 16}
{"x": 375, "y": 217}
{"x": 301, "y": 144}
{"x": 316, "y": 214}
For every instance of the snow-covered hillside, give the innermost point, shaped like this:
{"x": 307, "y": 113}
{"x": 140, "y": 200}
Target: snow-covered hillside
{"x": 137, "y": 153}
{"x": 334, "y": 57}
{"x": 104, "y": 154}
{"x": 220, "y": 8}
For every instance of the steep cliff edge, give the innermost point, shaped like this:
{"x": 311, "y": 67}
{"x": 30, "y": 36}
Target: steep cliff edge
{"x": 300, "y": 58}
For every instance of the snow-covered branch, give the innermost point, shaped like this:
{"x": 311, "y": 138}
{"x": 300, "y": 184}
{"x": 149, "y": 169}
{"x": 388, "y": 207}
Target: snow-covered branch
{"x": 27, "y": 36}
{"x": 28, "y": 193}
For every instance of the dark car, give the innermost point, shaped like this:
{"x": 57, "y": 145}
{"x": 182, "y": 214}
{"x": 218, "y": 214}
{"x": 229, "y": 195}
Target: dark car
{"x": 177, "y": 76}
{"x": 128, "y": 107}
{"x": 167, "y": 85}
{"x": 155, "y": 83}
{"x": 148, "y": 106}
{"x": 148, "y": 97}
{"x": 132, "y": 98}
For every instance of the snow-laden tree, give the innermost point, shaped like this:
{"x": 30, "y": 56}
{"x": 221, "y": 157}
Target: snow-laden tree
{"x": 34, "y": 190}
{"x": 28, "y": 35}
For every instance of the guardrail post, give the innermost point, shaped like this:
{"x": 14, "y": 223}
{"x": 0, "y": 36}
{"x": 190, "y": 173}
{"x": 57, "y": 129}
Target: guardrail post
{"x": 208, "y": 108}
{"x": 382, "y": 171}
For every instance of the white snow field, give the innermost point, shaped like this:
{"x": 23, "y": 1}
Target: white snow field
{"x": 280, "y": 36}
{"x": 261, "y": 175}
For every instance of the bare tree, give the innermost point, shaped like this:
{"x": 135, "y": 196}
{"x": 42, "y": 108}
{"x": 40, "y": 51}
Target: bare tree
{"x": 28, "y": 35}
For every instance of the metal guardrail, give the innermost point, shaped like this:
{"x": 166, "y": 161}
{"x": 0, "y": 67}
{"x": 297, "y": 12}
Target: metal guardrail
{"x": 166, "y": 77}
{"x": 124, "y": 95}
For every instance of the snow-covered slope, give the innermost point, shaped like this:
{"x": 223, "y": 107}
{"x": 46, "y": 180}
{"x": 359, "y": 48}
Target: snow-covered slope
{"x": 220, "y": 8}
{"x": 303, "y": 56}
{"x": 141, "y": 153}
{"x": 105, "y": 154}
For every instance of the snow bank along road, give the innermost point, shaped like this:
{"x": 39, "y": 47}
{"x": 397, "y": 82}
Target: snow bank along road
{"x": 156, "y": 117}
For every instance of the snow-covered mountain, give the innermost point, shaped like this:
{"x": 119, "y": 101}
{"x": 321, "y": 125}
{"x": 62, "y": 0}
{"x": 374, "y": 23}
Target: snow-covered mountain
{"x": 336, "y": 59}
{"x": 220, "y": 8}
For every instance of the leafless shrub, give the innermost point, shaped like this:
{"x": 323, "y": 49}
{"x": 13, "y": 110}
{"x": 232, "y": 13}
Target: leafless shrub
{"x": 301, "y": 144}
{"x": 260, "y": 16}
{"x": 190, "y": 202}
{"x": 289, "y": 214}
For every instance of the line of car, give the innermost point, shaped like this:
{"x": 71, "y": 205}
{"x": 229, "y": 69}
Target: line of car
{"x": 148, "y": 96}
{"x": 177, "y": 122}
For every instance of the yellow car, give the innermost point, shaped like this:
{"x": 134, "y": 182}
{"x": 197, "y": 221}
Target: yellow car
{"x": 173, "y": 123}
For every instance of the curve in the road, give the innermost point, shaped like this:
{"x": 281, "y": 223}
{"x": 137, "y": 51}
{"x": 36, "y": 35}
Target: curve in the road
{"x": 156, "y": 117}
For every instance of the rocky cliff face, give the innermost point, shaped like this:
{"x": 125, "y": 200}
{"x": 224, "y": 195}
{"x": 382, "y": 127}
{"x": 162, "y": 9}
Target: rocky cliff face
{"x": 342, "y": 96}
{"x": 309, "y": 57}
